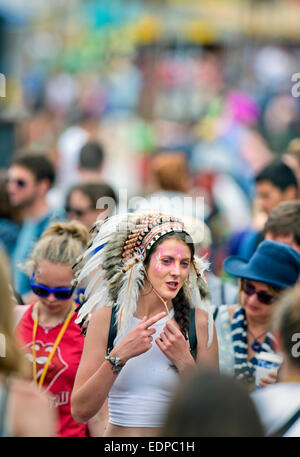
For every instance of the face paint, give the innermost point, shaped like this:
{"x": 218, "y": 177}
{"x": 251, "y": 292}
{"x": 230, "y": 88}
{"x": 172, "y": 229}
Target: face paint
{"x": 169, "y": 267}
{"x": 165, "y": 259}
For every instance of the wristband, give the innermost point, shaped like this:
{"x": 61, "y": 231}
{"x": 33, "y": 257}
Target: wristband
{"x": 117, "y": 365}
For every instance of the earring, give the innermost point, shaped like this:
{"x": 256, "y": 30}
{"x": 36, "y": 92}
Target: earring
{"x": 148, "y": 280}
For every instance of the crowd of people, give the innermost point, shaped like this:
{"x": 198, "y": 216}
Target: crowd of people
{"x": 121, "y": 320}
{"x": 146, "y": 268}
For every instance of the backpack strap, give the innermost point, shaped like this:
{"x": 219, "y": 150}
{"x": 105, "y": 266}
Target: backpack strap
{"x": 193, "y": 334}
{"x": 216, "y": 311}
{"x": 112, "y": 329}
{"x": 285, "y": 427}
{"x": 192, "y": 331}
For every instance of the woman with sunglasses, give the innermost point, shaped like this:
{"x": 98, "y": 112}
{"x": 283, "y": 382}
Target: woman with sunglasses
{"x": 84, "y": 204}
{"x": 47, "y": 329}
{"x": 244, "y": 329}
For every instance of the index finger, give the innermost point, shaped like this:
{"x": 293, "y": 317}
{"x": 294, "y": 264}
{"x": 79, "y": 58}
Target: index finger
{"x": 172, "y": 327}
{"x": 154, "y": 319}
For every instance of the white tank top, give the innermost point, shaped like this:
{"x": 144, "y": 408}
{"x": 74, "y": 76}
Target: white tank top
{"x": 141, "y": 394}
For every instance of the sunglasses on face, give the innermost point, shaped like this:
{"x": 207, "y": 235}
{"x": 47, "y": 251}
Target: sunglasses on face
{"x": 19, "y": 182}
{"x": 78, "y": 212}
{"x": 262, "y": 296}
{"x": 60, "y": 293}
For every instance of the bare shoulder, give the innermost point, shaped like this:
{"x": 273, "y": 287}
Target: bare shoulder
{"x": 95, "y": 345}
{"x": 27, "y": 394}
{"x": 99, "y": 323}
{"x": 201, "y": 317}
{"x": 205, "y": 355}
{"x": 19, "y": 311}
{"x": 201, "y": 322}
{"x": 31, "y": 414}
{"x": 101, "y": 315}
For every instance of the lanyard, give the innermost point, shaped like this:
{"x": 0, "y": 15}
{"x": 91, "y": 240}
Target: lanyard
{"x": 57, "y": 341}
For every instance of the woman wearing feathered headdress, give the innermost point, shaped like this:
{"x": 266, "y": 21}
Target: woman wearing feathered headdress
{"x": 143, "y": 285}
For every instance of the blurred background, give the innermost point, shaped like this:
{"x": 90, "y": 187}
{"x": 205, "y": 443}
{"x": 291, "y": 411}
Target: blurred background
{"x": 211, "y": 79}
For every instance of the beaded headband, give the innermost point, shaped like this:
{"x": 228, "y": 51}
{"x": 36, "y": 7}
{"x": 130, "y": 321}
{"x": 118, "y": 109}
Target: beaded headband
{"x": 114, "y": 271}
{"x": 146, "y": 233}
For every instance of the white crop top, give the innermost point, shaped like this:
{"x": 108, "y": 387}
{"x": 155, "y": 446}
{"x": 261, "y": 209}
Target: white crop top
{"x": 141, "y": 394}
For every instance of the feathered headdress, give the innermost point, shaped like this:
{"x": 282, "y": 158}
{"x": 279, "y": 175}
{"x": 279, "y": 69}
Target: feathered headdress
{"x": 114, "y": 272}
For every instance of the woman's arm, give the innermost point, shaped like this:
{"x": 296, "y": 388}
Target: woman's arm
{"x": 95, "y": 376}
{"x": 98, "y": 423}
{"x": 206, "y": 356}
{"x": 30, "y": 412}
{"x": 19, "y": 310}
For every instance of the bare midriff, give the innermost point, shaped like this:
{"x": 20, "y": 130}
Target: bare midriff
{"x": 118, "y": 431}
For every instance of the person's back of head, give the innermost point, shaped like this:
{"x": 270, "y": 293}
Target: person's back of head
{"x": 286, "y": 328}
{"x": 283, "y": 224}
{"x": 91, "y": 156}
{"x": 209, "y": 404}
{"x": 170, "y": 171}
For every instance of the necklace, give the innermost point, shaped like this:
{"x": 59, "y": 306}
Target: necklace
{"x": 256, "y": 345}
{"x": 157, "y": 294}
{"x": 56, "y": 343}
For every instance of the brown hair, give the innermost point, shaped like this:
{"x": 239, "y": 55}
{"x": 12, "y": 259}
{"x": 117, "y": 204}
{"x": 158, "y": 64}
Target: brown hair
{"x": 39, "y": 164}
{"x": 170, "y": 171}
{"x": 285, "y": 220}
{"x": 7, "y": 211}
{"x": 210, "y": 404}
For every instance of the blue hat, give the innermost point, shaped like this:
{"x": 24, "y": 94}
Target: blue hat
{"x": 273, "y": 263}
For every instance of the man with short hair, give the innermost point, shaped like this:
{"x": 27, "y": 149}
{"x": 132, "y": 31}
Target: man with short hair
{"x": 29, "y": 178}
{"x": 274, "y": 184}
{"x": 283, "y": 224}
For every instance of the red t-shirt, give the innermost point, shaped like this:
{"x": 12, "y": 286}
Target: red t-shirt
{"x": 61, "y": 372}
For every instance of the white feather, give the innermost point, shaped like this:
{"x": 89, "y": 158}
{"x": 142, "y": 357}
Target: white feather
{"x": 203, "y": 264}
{"x": 197, "y": 301}
{"x": 99, "y": 299}
{"x": 95, "y": 261}
{"x": 195, "y": 296}
{"x": 97, "y": 278}
{"x": 129, "y": 293}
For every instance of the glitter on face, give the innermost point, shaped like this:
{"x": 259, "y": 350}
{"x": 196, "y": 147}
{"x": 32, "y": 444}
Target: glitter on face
{"x": 169, "y": 267}
{"x": 37, "y": 274}
{"x": 163, "y": 260}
